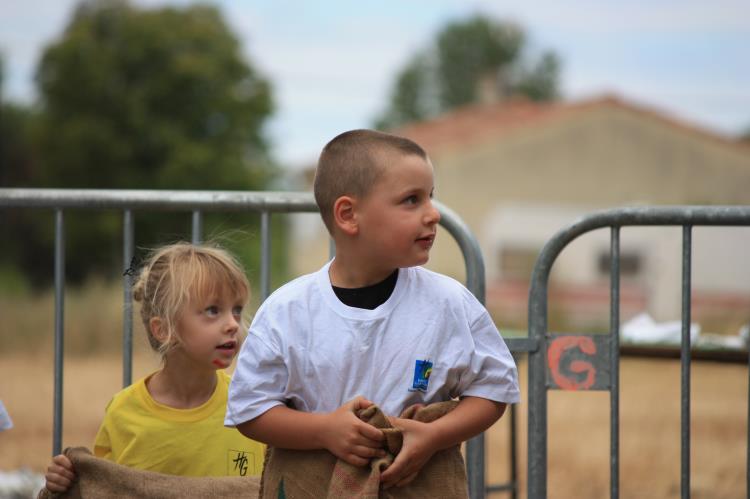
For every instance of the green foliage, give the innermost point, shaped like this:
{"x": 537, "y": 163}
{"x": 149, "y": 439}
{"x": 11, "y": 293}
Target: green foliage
{"x": 468, "y": 50}
{"x": 12, "y": 282}
{"x": 135, "y": 98}
{"x": 157, "y": 98}
{"x": 464, "y": 53}
{"x": 540, "y": 82}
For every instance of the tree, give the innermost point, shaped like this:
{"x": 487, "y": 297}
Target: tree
{"x": 464, "y": 56}
{"x": 147, "y": 98}
{"x": 21, "y": 240}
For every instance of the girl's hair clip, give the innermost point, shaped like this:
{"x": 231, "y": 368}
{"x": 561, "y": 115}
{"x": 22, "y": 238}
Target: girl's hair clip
{"x": 133, "y": 269}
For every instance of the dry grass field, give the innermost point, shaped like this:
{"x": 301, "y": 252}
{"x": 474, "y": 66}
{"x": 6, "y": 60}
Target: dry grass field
{"x": 578, "y": 425}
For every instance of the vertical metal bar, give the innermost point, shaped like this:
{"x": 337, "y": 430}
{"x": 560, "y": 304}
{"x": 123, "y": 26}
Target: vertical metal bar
{"x": 197, "y": 231}
{"x": 59, "y": 330}
{"x": 614, "y": 359}
{"x": 685, "y": 362}
{"x": 475, "y": 466}
{"x": 513, "y": 452}
{"x": 265, "y": 255}
{"x": 475, "y": 282}
{"x": 127, "y": 311}
{"x": 537, "y": 391}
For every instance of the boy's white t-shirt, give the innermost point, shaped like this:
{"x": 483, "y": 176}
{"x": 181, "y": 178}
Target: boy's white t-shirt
{"x": 430, "y": 341}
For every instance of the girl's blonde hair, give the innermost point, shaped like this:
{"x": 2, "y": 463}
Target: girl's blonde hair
{"x": 177, "y": 274}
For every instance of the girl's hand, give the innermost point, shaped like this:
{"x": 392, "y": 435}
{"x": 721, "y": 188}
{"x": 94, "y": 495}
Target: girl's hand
{"x": 60, "y": 474}
{"x": 349, "y": 438}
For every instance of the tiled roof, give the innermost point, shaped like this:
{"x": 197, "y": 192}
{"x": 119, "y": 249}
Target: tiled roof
{"x": 477, "y": 123}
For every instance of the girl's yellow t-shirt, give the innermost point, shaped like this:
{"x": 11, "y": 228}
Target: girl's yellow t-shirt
{"x": 140, "y": 433}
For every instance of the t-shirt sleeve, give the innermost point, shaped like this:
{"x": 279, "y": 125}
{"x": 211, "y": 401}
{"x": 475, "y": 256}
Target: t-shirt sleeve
{"x": 102, "y": 442}
{"x": 492, "y": 372}
{"x": 259, "y": 380}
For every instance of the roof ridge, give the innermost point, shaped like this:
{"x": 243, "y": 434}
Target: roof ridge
{"x": 474, "y": 122}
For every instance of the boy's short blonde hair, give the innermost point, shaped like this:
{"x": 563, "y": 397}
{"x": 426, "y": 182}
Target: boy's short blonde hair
{"x": 177, "y": 274}
{"x": 351, "y": 163}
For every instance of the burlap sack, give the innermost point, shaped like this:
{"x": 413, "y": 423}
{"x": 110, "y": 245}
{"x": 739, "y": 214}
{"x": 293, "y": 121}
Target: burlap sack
{"x": 99, "y": 478}
{"x": 318, "y": 474}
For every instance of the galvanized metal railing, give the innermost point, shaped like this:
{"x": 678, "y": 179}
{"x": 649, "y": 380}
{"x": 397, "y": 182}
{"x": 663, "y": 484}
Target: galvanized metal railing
{"x": 198, "y": 202}
{"x": 600, "y": 353}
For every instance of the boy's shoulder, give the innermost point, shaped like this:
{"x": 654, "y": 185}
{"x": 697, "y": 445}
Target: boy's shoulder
{"x": 440, "y": 290}
{"x": 438, "y": 283}
{"x": 292, "y": 290}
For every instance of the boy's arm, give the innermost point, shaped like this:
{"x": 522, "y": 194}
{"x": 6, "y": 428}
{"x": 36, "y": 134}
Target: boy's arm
{"x": 340, "y": 431}
{"x": 472, "y": 416}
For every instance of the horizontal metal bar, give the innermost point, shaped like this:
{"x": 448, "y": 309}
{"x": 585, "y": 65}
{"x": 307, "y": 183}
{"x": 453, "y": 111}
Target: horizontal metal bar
{"x": 503, "y": 487}
{"x": 517, "y": 345}
{"x": 159, "y": 200}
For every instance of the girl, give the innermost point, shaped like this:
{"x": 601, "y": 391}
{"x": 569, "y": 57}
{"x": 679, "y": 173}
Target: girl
{"x": 172, "y": 420}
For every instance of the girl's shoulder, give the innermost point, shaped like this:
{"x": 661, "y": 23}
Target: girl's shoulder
{"x": 128, "y": 395}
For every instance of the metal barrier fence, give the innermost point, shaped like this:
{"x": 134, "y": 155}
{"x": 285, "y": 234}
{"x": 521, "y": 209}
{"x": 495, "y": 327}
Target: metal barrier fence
{"x": 599, "y": 354}
{"x": 198, "y": 202}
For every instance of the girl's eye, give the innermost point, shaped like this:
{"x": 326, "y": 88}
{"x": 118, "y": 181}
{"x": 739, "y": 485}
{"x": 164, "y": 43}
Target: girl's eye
{"x": 212, "y": 310}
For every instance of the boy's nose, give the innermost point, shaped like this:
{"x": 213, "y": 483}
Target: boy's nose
{"x": 433, "y": 214}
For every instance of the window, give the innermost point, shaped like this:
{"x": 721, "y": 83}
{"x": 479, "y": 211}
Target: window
{"x": 630, "y": 264}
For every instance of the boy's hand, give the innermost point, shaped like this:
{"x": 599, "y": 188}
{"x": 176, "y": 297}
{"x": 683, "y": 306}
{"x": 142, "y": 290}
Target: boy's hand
{"x": 417, "y": 449}
{"x": 351, "y": 439}
{"x": 60, "y": 474}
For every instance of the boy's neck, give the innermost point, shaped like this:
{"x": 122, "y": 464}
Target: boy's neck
{"x": 346, "y": 273}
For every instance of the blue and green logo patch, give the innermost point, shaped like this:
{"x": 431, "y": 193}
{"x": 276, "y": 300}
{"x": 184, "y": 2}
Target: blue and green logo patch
{"x": 422, "y": 371}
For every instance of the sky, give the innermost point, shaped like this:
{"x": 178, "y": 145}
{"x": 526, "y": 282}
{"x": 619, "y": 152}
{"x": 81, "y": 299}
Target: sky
{"x": 332, "y": 63}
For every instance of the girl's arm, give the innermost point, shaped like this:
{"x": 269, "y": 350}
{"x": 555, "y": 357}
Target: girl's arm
{"x": 471, "y": 417}
{"x": 340, "y": 431}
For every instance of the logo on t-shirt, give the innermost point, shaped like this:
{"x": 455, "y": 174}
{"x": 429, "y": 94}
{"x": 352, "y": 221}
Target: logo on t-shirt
{"x": 241, "y": 463}
{"x": 422, "y": 371}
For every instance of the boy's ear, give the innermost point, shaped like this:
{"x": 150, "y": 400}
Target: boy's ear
{"x": 345, "y": 215}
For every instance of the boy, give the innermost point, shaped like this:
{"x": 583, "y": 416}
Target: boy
{"x": 373, "y": 323}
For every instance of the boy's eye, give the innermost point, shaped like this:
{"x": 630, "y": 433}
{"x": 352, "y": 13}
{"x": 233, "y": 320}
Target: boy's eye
{"x": 411, "y": 200}
{"x": 237, "y": 311}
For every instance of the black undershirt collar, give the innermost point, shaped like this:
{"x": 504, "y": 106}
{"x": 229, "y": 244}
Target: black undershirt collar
{"x": 368, "y": 297}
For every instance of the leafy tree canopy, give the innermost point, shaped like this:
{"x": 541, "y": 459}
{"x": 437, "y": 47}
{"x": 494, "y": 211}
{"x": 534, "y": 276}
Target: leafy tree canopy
{"x": 151, "y": 98}
{"x": 464, "y": 56}
{"x": 146, "y": 98}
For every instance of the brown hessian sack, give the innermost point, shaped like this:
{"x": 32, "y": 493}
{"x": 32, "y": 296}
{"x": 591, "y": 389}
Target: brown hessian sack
{"x": 292, "y": 474}
{"x": 100, "y": 478}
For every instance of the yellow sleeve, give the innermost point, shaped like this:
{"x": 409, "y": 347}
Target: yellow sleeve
{"x": 102, "y": 442}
